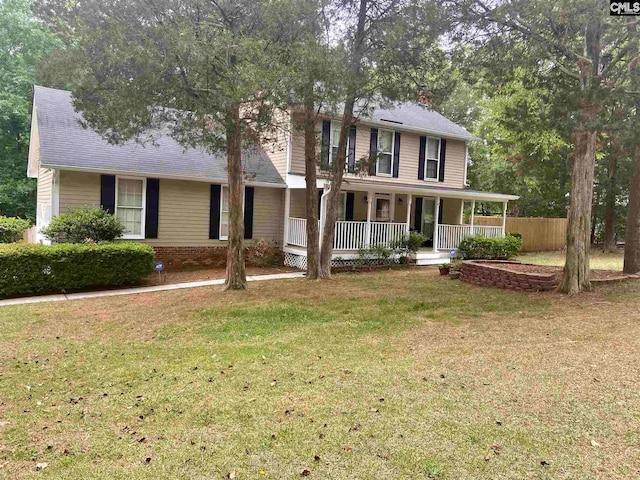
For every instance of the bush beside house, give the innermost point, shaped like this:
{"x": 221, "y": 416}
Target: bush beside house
{"x": 33, "y": 269}
{"x": 87, "y": 224}
{"x": 478, "y": 247}
{"x": 12, "y": 229}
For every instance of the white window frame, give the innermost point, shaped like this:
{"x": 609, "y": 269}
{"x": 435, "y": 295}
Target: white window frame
{"x": 426, "y": 159}
{"x": 393, "y": 146}
{"x": 222, "y": 189}
{"x": 130, "y": 236}
{"x": 333, "y": 142}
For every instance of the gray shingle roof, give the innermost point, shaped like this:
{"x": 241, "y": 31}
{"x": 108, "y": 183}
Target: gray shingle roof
{"x": 414, "y": 115}
{"x": 64, "y": 143}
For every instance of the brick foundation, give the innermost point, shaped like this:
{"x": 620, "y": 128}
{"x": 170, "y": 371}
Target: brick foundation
{"x": 176, "y": 257}
{"x": 496, "y": 273}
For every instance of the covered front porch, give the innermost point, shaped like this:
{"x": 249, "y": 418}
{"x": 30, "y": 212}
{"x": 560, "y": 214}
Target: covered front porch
{"x": 382, "y": 215}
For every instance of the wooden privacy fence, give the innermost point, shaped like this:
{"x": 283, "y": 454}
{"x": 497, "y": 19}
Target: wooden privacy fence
{"x": 537, "y": 233}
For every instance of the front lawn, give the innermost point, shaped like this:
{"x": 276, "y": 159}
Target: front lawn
{"x": 400, "y": 374}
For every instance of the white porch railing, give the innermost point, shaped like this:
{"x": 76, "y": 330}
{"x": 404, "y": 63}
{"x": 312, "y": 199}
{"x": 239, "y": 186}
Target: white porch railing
{"x": 350, "y": 235}
{"x": 355, "y": 235}
{"x": 297, "y": 233}
{"x": 450, "y": 236}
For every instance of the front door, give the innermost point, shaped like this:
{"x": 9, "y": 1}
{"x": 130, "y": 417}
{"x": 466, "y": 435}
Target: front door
{"x": 383, "y": 208}
{"x": 428, "y": 219}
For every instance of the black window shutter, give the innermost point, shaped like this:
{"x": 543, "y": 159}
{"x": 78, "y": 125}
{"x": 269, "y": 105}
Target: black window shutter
{"x": 108, "y": 193}
{"x": 320, "y": 192}
{"x": 421, "y": 155}
{"x": 417, "y": 221}
{"x": 396, "y": 154}
{"x": 348, "y": 215}
{"x": 373, "y": 151}
{"x": 248, "y": 212}
{"x": 443, "y": 149}
{"x": 440, "y": 209}
{"x": 214, "y": 212}
{"x": 351, "y": 166}
{"x": 151, "y": 210}
{"x": 325, "y": 144}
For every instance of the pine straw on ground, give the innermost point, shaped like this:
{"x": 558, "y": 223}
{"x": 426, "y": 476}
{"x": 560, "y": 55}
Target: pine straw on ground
{"x": 395, "y": 374}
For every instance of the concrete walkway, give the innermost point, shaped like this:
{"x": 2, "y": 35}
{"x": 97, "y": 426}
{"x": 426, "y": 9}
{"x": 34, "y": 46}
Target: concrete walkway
{"x": 131, "y": 291}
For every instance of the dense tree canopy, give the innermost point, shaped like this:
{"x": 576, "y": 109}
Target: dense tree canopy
{"x": 22, "y": 42}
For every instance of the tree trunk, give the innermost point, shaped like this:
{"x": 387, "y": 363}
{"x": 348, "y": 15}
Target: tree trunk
{"x": 632, "y": 235}
{"x": 333, "y": 198}
{"x": 610, "y": 244}
{"x": 311, "y": 193}
{"x": 236, "y": 274}
{"x": 575, "y": 277}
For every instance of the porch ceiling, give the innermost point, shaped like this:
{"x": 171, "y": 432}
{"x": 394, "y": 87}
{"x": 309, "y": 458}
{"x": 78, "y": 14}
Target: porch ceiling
{"x": 424, "y": 190}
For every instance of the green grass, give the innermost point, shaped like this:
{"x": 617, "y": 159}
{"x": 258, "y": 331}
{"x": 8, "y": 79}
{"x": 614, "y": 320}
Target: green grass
{"x": 599, "y": 260}
{"x": 399, "y": 374}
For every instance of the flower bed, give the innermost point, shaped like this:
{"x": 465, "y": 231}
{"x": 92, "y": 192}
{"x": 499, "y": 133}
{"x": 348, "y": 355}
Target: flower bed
{"x": 525, "y": 276}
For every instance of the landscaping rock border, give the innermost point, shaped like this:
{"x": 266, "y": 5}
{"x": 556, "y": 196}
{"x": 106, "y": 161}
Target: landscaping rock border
{"x": 490, "y": 273}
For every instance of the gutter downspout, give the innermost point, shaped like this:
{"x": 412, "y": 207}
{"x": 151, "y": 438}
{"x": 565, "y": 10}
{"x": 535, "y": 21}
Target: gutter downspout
{"x": 323, "y": 212}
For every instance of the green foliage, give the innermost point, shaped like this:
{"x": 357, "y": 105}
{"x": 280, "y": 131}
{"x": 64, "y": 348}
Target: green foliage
{"x": 33, "y": 269}
{"x": 478, "y": 247}
{"x": 22, "y": 42}
{"x": 375, "y": 255}
{"x": 11, "y": 229}
{"x": 88, "y": 224}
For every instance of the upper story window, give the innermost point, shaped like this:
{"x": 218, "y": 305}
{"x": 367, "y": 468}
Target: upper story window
{"x": 432, "y": 163}
{"x": 130, "y": 200}
{"x": 384, "y": 162}
{"x": 334, "y": 140}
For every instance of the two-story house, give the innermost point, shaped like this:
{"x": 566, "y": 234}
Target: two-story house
{"x": 176, "y": 200}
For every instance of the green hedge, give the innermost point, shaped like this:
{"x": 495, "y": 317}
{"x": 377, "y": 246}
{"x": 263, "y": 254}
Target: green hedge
{"x": 478, "y": 247}
{"x": 32, "y": 269}
{"x": 12, "y": 229}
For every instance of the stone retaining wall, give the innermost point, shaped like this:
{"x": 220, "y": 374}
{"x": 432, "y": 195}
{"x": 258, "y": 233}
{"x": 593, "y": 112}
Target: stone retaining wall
{"x": 496, "y": 273}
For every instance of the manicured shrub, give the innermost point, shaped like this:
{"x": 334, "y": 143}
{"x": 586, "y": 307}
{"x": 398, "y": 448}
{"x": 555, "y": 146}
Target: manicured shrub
{"x": 32, "y": 268}
{"x": 478, "y": 247}
{"x": 87, "y": 224}
{"x": 12, "y": 229}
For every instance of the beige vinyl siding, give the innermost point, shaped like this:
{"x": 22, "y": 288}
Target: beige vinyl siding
{"x": 268, "y": 214}
{"x": 44, "y": 188}
{"x": 298, "y": 208}
{"x": 78, "y": 190}
{"x": 451, "y": 208}
{"x": 409, "y": 152}
{"x": 276, "y": 145}
{"x": 183, "y": 209}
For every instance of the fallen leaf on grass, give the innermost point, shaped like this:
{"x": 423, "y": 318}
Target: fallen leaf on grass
{"x": 306, "y": 472}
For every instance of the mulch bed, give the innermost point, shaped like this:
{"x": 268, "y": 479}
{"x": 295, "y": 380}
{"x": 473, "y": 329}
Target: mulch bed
{"x": 198, "y": 273}
{"x": 557, "y": 271}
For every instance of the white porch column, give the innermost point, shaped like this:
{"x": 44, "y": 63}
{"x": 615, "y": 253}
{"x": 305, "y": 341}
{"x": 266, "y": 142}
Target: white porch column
{"x": 287, "y": 209}
{"x": 473, "y": 213}
{"x": 504, "y": 219}
{"x": 370, "y": 201}
{"x": 409, "y": 201}
{"x": 436, "y": 225}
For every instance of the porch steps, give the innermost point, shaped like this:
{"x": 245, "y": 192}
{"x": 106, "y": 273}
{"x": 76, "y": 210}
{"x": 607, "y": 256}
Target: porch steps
{"x": 429, "y": 257}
